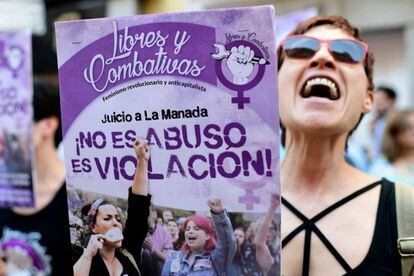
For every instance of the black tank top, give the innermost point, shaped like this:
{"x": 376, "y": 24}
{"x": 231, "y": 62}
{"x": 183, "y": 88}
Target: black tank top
{"x": 46, "y": 233}
{"x": 382, "y": 257}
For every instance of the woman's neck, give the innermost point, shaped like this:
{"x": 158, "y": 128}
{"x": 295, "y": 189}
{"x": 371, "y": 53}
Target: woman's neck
{"x": 50, "y": 172}
{"x": 194, "y": 252}
{"x": 312, "y": 163}
{"x": 48, "y": 165}
{"x": 113, "y": 265}
{"x": 406, "y": 156}
{"x": 405, "y": 162}
{"x": 108, "y": 254}
{"x": 175, "y": 237}
{"x": 50, "y": 175}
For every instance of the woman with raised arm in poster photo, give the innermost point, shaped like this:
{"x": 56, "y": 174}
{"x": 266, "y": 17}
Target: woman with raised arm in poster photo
{"x": 207, "y": 250}
{"x": 113, "y": 248}
{"x": 336, "y": 219}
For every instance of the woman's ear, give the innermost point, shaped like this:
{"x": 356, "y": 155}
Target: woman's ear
{"x": 51, "y": 125}
{"x": 46, "y": 127}
{"x": 94, "y": 230}
{"x": 368, "y": 102}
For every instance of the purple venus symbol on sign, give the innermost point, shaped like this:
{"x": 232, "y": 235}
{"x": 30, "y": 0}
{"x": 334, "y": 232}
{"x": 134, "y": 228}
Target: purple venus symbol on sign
{"x": 240, "y": 60}
{"x": 249, "y": 199}
{"x": 264, "y": 168}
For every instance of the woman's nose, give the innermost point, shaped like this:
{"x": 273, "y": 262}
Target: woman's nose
{"x": 323, "y": 59}
{"x": 116, "y": 223}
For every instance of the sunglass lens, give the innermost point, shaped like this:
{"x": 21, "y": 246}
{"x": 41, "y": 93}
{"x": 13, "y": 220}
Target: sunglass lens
{"x": 300, "y": 47}
{"x": 348, "y": 51}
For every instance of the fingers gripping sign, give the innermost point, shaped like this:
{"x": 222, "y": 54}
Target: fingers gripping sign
{"x": 240, "y": 63}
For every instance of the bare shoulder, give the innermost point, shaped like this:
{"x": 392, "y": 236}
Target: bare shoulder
{"x": 361, "y": 178}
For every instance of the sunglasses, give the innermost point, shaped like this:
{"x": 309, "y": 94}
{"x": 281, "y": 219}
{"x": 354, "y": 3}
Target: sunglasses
{"x": 344, "y": 50}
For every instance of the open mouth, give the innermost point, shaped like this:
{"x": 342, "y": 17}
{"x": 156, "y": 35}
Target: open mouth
{"x": 320, "y": 87}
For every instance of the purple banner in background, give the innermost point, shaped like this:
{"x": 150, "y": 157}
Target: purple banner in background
{"x": 16, "y": 185}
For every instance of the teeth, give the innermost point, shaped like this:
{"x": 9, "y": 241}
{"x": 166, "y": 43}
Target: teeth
{"x": 321, "y": 81}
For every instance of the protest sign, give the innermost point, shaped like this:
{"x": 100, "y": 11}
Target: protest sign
{"x": 16, "y": 185}
{"x": 200, "y": 87}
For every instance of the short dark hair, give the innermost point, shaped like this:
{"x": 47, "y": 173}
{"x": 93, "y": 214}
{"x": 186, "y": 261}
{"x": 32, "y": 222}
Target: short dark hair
{"x": 46, "y": 103}
{"x": 391, "y": 94}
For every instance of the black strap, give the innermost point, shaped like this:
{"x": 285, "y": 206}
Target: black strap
{"x": 323, "y": 213}
{"x": 306, "y": 252}
{"x": 309, "y": 226}
{"x": 345, "y": 200}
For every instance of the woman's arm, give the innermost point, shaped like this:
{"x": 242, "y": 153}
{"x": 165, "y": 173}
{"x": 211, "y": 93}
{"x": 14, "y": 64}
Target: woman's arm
{"x": 263, "y": 256}
{"x": 226, "y": 242}
{"x": 136, "y": 226}
{"x": 140, "y": 184}
{"x": 83, "y": 266}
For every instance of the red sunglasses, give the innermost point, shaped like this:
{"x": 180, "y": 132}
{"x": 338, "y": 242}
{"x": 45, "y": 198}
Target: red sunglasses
{"x": 344, "y": 50}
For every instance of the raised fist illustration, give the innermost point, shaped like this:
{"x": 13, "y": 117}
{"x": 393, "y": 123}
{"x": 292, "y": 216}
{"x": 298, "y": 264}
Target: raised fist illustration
{"x": 239, "y": 63}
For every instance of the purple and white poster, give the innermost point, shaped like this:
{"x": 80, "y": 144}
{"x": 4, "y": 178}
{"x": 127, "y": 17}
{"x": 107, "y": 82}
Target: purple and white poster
{"x": 200, "y": 87}
{"x": 16, "y": 185}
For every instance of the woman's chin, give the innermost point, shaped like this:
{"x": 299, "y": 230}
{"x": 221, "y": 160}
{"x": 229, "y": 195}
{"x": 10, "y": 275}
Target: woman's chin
{"x": 114, "y": 244}
{"x": 195, "y": 249}
{"x": 315, "y": 125}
